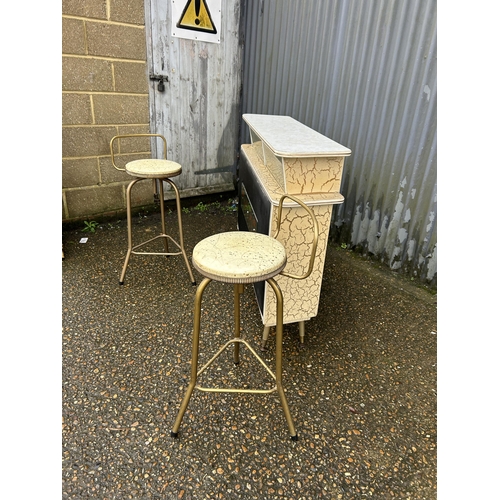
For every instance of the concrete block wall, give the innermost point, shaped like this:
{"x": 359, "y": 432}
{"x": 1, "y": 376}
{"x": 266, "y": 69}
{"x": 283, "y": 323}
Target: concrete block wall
{"x": 104, "y": 93}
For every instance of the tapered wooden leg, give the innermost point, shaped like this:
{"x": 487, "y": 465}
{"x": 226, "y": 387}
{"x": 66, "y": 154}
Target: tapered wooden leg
{"x": 265, "y": 336}
{"x": 302, "y": 332}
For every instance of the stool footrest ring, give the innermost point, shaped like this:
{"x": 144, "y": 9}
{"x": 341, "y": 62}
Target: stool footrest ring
{"x": 225, "y": 346}
{"x": 166, "y": 236}
{"x": 234, "y": 390}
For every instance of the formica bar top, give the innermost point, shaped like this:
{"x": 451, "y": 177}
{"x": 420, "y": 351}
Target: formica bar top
{"x": 287, "y": 137}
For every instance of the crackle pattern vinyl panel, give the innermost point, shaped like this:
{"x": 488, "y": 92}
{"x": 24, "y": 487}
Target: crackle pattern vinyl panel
{"x": 300, "y": 297}
{"x": 286, "y": 157}
{"x": 266, "y": 175}
{"x": 313, "y": 175}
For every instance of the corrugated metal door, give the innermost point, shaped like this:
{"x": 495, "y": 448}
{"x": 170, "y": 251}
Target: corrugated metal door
{"x": 198, "y": 110}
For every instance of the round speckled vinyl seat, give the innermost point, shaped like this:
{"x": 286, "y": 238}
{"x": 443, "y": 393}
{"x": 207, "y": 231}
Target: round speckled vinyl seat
{"x": 160, "y": 171}
{"x": 241, "y": 257}
{"x": 151, "y": 168}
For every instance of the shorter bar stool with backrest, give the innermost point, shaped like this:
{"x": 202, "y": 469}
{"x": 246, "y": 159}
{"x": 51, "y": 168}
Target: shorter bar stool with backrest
{"x": 159, "y": 171}
{"x": 241, "y": 257}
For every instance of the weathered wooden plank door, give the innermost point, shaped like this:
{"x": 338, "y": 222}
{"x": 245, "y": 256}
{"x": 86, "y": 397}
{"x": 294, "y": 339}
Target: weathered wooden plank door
{"x": 199, "y": 109}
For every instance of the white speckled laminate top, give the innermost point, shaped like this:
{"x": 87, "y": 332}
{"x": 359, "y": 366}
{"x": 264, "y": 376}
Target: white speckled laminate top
{"x": 239, "y": 257}
{"x": 153, "y": 168}
{"x": 288, "y": 137}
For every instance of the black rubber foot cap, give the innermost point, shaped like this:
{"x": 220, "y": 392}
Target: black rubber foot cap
{"x": 294, "y": 438}
{"x": 193, "y": 283}
{"x": 121, "y": 282}
{"x": 174, "y": 434}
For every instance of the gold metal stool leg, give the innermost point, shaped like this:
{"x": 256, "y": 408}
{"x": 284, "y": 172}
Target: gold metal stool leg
{"x": 238, "y": 290}
{"x": 129, "y": 230}
{"x": 162, "y": 213}
{"x": 181, "y": 233}
{"x": 277, "y": 376}
{"x": 194, "y": 356}
{"x": 164, "y": 236}
{"x": 279, "y": 358}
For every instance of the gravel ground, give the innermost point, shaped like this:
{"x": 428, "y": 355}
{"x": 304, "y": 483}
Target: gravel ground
{"x": 362, "y": 391}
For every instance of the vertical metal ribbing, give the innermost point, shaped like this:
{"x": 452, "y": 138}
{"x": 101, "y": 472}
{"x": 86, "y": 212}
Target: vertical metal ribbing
{"x": 371, "y": 85}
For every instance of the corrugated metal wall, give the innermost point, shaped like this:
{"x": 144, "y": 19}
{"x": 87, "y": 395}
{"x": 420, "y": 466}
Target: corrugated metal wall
{"x": 364, "y": 74}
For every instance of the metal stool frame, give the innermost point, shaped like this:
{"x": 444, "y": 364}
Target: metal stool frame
{"x": 237, "y": 340}
{"x": 157, "y": 186}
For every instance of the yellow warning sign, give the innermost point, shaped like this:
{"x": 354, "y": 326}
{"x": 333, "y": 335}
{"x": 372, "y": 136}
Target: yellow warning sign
{"x": 196, "y": 17}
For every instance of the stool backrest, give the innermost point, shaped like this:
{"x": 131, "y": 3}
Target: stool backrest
{"x": 315, "y": 236}
{"x": 115, "y": 143}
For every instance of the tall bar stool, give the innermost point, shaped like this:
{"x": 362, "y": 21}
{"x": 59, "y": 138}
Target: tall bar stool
{"x": 241, "y": 257}
{"x": 158, "y": 170}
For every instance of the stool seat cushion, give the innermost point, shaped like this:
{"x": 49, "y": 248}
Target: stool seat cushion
{"x": 153, "y": 168}
{"x": 239, "y": 257}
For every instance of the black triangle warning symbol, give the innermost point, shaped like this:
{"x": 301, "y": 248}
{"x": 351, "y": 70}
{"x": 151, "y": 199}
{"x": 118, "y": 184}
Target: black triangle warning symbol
{"x": 196, "y": 17}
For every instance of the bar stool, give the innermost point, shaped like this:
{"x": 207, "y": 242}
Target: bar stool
{"x": 158, "y": 170}
{"x": 241, "y": 257}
